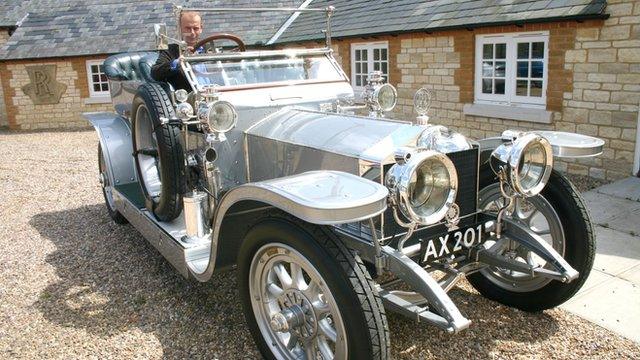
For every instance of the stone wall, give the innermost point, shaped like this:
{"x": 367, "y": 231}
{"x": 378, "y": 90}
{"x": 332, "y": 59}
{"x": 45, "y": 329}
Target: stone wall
{"x": 4, "y": 36}
{"x": 594, "y": 87}
{"x": 23, "y": 114}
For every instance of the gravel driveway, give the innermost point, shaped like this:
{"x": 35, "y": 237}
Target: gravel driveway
{"x": 73, "y": 284}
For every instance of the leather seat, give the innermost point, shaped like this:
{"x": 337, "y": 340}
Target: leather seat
{"x": 130, "y": 66}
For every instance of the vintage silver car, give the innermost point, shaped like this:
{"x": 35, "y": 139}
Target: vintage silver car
{"x": 330, "y": 218}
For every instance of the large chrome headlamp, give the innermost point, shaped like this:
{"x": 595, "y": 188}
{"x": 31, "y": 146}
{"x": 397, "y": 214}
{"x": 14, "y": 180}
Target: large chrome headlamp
{"x": 219, "y": 116}
{"x": 385, "y": 97}
{"x": 526, "y": 162}
{"x": 423, "y": 184}
{"x": 379, "y": 97}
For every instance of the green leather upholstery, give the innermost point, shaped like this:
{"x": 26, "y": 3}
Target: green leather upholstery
{"x": 130, "y": 66}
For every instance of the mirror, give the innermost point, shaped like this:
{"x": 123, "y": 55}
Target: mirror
{"x": 162, "y": 42}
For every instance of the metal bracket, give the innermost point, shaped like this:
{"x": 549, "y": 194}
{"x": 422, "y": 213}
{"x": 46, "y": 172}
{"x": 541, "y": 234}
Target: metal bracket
{"x": 540, "y": 247}
{"x": 442, "y": 312}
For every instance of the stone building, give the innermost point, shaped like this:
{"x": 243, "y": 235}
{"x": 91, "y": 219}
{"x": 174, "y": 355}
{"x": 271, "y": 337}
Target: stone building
{"x": 570, "y": 65}
{"x": 52, "y": 51}
{"x": 558, "y": 65}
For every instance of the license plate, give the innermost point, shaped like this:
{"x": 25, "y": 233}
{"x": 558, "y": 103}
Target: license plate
{"x": 452, "y": 243}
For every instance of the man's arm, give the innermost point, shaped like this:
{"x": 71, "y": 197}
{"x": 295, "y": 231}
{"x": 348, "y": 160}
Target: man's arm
{"x": 166, "y": 66}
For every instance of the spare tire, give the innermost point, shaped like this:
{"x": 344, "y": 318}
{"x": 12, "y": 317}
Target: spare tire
{"x": 158, "y": 152}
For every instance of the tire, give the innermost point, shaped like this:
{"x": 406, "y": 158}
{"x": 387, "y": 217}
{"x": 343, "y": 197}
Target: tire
{"x": 158, "y": 152}
{"x": 579, "y": 251}
{"x": 355, "y": 308}
{"x": 115, "y": 215}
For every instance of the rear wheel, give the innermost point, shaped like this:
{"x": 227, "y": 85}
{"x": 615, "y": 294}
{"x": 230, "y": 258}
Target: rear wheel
{"x": 107, "y": 189}
{"x": 558, "y": 214}
{"x": 306, "y": 296}
{"x": 158, "y": 152}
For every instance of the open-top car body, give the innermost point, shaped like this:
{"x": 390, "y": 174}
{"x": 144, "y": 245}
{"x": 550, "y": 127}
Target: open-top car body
{"x": 263, "y": 166}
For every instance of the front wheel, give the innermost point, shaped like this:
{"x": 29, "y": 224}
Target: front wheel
{"x": 306, "y": 296}
{"x": 558, "y": 214}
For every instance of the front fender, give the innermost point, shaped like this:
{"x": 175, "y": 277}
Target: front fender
{"x": 318, "y": 197}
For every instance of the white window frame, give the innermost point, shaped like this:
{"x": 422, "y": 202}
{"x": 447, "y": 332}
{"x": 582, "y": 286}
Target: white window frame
{"x": 369, "y": 46}
{"x": 92, "y": 93}
{"x": 510, "y": 98}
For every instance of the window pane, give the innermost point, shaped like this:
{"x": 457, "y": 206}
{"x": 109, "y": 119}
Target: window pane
{"x": 523, "y": 69}
{"x": 376, "y": 66}
{"x": 487, "y": 51}
{"x": 500, "y": 68}
{"x": 103, "y": 77}
{"x": 376, "y": 54}
{"x": 383, "y": 54}
{"x": 536, "y": 69}
{"x": 384, "y": 68}
{"x": 536, "y": 88}
{"x": 358, "y": 80}
{"x": 501, "y": 51}
{"x": 365, "y": 53}
{"x": 365, "y": 68}
{"x": 521, "y": 87}
{"x": 96, "y": 87}
{"x": 358, "y": 68}
{"x": 105, "y": 87}
{"x": 499, "y": 86}
{"x": 487, "y": 68}
{"x": 487, "y": 87}
{"x": 94, "y": 68}
{"x": 523, "y": 50}
{"x": 96, "y": 78}
{"x": 537, "y": 50}
{"x": 357, "y": 55}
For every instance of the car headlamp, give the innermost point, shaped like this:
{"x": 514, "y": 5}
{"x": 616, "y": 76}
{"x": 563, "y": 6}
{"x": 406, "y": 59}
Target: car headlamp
{"x": 386, "y": 97}
{"x": 184, "y": 111}
{"x": 527, "y": 162}
{"x": 442, "y": 139}
{"x": 424, "y": 185}
{"x": 220, "y": 116}
{"x": 181, "y": 95}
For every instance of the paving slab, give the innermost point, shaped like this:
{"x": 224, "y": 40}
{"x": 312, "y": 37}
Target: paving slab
{"x": 628, "y": 188}
{"x": 611, "y": 295}
{"x": 615, "y": 306}
{"x": 616, "y": 251}
{"x": 613, "y": 212}
{"x": 632, "y": 275}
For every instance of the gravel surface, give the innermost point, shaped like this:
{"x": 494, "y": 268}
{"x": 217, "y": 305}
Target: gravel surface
{"x": 73, "y": 284}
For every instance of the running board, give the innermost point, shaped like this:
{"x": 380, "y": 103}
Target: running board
{"x": 164, "y": 236}
{"x": 442, "y": 312}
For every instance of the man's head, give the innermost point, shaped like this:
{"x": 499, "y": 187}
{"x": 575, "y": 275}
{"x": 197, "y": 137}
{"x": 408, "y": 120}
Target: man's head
{"x": 191, "y": 27}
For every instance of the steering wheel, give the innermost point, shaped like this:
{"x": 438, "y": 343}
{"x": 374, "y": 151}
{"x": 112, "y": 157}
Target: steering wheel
{"x": 226, "y": 36}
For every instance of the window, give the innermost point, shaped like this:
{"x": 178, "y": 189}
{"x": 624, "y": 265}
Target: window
{"x": 511, "y": 69}
{"x": 366, "y": 58}
{"x": 98, "y": 83}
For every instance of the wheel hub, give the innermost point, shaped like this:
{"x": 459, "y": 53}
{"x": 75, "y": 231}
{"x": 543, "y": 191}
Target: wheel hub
{"x": 297, "y": 315}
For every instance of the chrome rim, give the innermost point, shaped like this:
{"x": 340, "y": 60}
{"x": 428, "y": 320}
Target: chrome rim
{"x": 294, "y": 308}
{"x": 537, "y": 214}
{"x": 103, "y": 177}
{"x": 147, "y": 152}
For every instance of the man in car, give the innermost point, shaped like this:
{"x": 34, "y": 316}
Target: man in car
{"x": 167, "y": 66}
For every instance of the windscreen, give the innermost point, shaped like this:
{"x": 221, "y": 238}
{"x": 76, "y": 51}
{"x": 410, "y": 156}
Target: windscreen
{"x": 266, "y": 71}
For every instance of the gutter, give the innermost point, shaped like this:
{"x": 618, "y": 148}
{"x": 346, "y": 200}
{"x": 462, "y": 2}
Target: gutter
{"x": 470, "y": 27}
